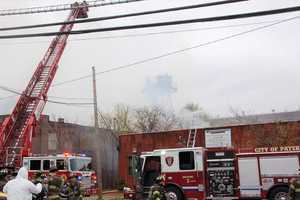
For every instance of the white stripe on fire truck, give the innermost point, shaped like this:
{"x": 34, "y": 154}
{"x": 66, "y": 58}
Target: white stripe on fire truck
{"x": 250, "y": 187}
{"x": 198, "y": 188}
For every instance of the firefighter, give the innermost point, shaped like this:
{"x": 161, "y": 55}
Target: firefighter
{"x": 55, "y": 183}
{"x": 294, "y": 190}
{"x": 71, "y": 190}
{"x": 40, "y": 178}
{"x": 157, "y": 191}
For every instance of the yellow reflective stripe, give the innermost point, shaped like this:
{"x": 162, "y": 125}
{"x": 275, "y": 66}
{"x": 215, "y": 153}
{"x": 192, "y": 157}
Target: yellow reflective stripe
{"x": 292, "y": 186}
{"x": 297, "y": 190}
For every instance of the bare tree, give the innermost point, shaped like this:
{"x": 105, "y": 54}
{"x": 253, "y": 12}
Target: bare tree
{"x": 119, "y": 120}
{"x": 155, "y": 118}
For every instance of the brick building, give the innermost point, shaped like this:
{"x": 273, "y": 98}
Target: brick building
{"x": 266, "y": 130}
{"x": 57, "y": 137}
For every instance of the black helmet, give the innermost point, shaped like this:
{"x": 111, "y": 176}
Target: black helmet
{"x": 159, "y": 179}
{"x": 39, "y": 173}
{"x": 53, "y": 169}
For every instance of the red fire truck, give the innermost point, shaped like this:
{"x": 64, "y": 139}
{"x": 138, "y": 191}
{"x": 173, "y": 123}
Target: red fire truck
{"x": 67, "y": 165}
{"x": 217, "y": 173}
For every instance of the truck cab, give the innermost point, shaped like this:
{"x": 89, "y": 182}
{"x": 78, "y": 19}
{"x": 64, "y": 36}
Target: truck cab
{"x": 181, "y": 168}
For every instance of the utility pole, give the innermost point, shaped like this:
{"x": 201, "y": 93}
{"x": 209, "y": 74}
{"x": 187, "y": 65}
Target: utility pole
{"x": 95, "y": 99}
{"x": 98, "y": 154}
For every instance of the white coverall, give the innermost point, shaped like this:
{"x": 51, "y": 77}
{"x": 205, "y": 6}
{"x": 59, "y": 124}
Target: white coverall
{"x": 21, "y": 188}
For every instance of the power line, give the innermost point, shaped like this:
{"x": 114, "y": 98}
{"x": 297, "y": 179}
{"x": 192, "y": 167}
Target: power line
{"x": 52, "y": 97}
{"x": 51, "y": 101}
{"x": 124, "y": 15}
{"x": 169, "y": 23}
{"x": 152, "y": 33}
{"x": 61, "y": 7}
{"x": 134, "y": 64}
{"x": 56, "y": 97}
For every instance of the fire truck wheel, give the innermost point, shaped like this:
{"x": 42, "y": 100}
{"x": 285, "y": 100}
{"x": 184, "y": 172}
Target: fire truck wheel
{"x": 174, "y": 193}
{"x": 279, "y": 193}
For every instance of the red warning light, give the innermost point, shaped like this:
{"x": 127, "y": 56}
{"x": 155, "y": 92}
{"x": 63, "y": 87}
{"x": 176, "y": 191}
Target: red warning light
{"x": 66, "y": 154}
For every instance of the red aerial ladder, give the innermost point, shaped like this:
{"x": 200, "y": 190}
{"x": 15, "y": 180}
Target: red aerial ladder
{"x": 17, "y": 129}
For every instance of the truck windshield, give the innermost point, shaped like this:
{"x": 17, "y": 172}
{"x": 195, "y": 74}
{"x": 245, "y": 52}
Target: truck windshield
{"x": 80, "y": 164}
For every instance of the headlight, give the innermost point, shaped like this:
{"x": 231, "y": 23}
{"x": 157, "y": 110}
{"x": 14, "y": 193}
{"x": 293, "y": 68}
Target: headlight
{"x": 127, "y": 189}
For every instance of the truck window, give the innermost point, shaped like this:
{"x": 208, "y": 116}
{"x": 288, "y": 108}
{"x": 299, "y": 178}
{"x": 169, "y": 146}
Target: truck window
{"x": 186, "y": 160}
{"x": 35, "y": 164}
{"x": 152, "y": 170}
{"x": 81, "y": 164}
{"x": 60, "y": 164}
{"x": 46, "y": 164}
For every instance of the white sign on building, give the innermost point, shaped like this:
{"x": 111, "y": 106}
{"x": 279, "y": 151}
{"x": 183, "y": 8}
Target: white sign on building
{"x": 218, "y": 138}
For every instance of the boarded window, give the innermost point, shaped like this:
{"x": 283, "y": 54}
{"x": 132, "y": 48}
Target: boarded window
{"x": 52, "y": 141}
{"x": 186, "y": 160}
{"x": 35, "y": 164}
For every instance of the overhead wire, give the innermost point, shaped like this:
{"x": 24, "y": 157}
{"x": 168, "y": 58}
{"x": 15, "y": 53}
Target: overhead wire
{"x": 48, "y": 100}
{"x": 124, "y": 15}
{"x": 61, "y": 7}
{"x": 151, "y": 33}
{"x": 135, "y": 64}
{"x": 145, "y": 34}
{"x": 159, "y": 24}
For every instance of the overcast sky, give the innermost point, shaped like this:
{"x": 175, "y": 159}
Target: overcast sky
{"x": 256, "y": 72}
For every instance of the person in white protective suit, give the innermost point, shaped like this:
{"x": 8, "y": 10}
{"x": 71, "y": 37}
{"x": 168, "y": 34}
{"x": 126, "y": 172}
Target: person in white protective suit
{"x": 21, "y": 188}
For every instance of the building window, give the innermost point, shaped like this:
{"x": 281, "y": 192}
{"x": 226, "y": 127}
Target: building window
{"x": 186, "y": 160}
{"x": 46, "y": 164}
{"x": 130, "y": 165}
{"x": 35, "y": 165}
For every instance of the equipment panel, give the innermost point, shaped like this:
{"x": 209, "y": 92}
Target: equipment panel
{"x": 220, "y": 174}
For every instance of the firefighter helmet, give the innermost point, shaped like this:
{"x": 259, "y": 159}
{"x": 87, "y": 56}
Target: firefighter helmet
{"x": 53, "y": 169}
{"x": 159, "y": 179}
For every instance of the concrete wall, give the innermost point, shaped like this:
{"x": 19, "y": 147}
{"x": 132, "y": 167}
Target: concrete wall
{"x": 58, "y": 137}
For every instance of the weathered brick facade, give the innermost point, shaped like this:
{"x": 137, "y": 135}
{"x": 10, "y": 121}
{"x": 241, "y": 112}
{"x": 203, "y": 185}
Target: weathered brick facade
{"x": 57, "y": 137}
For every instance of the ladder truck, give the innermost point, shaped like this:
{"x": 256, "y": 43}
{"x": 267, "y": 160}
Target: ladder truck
{"x": 18, "y": 128}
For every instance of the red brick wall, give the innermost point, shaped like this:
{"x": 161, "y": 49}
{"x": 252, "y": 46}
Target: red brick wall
{"x": 243, "y": 136}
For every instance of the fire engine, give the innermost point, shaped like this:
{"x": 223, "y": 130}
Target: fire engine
{"x": 78, "y": 165}
{"x": 18, "y": 128}
{"x": 216, "y": 173}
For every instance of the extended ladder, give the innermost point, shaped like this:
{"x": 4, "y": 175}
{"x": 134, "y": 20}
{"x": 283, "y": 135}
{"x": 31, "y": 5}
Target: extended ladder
{"x": 192, "y": 138}
{"x": 17, "y": 130}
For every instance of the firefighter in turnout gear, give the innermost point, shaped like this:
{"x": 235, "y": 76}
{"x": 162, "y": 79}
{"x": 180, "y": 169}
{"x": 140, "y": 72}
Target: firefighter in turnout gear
{"x": 294, "y": 190}
{"x": 40, "y": 178}
{"x": 71, "y": 190}
{"x": 157, "y": 191}
{"x": 55, "y": 183}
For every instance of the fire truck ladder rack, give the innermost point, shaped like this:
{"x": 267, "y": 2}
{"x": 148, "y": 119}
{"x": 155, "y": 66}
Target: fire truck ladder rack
{"x": 192, "y": 138}
{"x": 18, "y": 128}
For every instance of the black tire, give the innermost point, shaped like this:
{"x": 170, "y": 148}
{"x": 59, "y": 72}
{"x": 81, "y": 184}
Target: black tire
{"x": 174, "y": 193}
{"x": 279, "y": 193}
